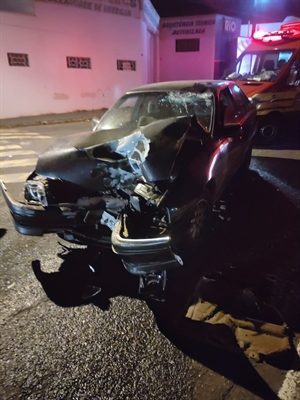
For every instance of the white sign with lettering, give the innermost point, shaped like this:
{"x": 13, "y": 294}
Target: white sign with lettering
{"x": 204, "y": 26}
{"x": 127, "y": 8}
{"x": 229, "y": 25}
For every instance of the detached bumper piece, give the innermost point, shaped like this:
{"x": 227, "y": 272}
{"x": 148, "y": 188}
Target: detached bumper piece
{"x": 144, "y": 255}
{"x": 35, "y": 220}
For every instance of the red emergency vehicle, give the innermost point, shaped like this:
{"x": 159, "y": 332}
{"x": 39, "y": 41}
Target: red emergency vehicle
{"x": 268, "y": 71}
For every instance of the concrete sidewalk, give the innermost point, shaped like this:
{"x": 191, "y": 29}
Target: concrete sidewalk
{"x": 45, "y": 119}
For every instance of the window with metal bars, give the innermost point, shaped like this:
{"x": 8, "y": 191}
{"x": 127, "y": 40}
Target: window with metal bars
{"x": 126, "y": 65}
{"x": 79, "y": 62}
{"x": 183, "y": 45}
{"x": 18, "y": 60}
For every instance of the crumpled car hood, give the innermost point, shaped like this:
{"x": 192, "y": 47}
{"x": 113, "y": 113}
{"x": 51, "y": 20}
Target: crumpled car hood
{"x": 113, "y": 158}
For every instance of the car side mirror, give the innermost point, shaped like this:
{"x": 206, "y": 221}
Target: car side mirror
{"x": 231, "y": 130}
{"x": 95, "y": 121}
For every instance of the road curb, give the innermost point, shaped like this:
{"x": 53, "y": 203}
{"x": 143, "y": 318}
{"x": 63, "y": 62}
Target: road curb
{"x": 51, "y": 119}
{"x": 35, "y": 123}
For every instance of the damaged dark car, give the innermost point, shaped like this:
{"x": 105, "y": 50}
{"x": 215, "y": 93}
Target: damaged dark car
{"x": 145, "y": 179}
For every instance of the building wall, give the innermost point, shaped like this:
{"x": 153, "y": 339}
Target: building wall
{"x": 226, "y": 43}
{"x": 176, "y": 65}
{"x": 152, "y": 21}
{"x": 58, "y": 31}
{"x": 217, "y": 35}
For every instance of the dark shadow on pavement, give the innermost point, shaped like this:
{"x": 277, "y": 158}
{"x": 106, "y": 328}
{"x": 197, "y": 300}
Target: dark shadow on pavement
{"x": 82, "y": 270}
{"x": 260, "y": 237}
{"x": 2, "y": 232}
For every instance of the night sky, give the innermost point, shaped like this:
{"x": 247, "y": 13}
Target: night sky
{"x": 255, "y": 11}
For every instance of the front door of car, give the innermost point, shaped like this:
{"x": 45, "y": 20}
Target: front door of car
{"x": 234, "y": 109}
{"x": 239, "y": 111}
{"x": 244, "y": 111}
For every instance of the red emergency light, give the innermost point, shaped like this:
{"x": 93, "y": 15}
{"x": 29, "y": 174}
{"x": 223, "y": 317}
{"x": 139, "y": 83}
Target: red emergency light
{"x": 288, "y": 31}
{"x": 291, "y": 26}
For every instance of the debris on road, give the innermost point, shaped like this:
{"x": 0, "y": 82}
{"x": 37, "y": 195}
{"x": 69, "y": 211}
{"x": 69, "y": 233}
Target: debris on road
{"x": 227, "y": 297}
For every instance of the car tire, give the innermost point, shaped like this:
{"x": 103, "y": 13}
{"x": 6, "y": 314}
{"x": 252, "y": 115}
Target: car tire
{"x": 268, "y": 129}
{"x": 199, "y": 221}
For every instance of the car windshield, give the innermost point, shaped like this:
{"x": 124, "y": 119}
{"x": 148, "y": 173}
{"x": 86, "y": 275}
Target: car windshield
{"x": 140, "y": 109}
{"x": 263, "y": 66}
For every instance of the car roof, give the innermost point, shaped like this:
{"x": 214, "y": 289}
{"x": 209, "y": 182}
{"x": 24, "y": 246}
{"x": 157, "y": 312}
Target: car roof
{"x": 187, "y": 85}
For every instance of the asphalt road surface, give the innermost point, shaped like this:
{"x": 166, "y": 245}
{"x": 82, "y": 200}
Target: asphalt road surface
{"x": 117, "y": 345}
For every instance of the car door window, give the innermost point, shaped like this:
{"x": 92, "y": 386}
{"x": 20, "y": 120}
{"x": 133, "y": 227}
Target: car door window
{"x": 240, "y": 100}
{"x": 227, "y": 107}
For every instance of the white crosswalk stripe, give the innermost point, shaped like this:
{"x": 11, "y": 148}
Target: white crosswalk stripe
{"x": 25, "y": 134}
{"x": 12, "y": 155}
{"x": 10, "y": 147}
{"x": 18, "y": 163}
{"x": 14, "y": 178}
{"x": 17, "y": 130}
{"x": 16, "y": 153}
{"x": 3, "y": 138}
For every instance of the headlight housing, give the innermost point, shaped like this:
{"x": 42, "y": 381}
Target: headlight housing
{"x": 35, "y": 193}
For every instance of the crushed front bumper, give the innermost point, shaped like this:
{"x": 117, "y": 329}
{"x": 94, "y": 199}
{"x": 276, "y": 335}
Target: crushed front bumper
{"x": 145, "y": 255}
{"x": 35, "y": 220}
{"x": 139, "y": 256}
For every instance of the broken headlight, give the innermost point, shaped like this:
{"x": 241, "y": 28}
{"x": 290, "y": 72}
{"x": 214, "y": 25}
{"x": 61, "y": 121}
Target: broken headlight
{"x": 35, "y": 193}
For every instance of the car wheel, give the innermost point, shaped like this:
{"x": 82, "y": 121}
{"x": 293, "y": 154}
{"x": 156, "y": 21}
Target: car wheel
{"x": 268, "y": 129}
{"x": 199, "y": 220}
